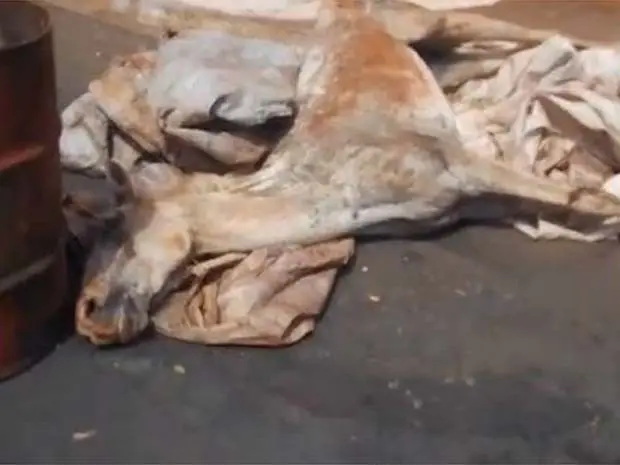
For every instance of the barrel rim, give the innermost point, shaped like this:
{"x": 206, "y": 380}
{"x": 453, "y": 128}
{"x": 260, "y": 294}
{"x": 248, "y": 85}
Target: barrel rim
{"x": 39, "y": 13}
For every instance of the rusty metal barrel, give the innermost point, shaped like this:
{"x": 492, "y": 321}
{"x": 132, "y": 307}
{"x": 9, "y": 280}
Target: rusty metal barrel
{"x": 33, "y": 277}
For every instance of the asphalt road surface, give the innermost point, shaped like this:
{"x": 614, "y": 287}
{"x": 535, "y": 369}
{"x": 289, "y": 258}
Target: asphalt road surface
{"x": 485, "y": 347}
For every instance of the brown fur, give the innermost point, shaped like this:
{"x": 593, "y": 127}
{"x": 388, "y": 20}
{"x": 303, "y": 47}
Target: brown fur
{"x": 375, "y": 141}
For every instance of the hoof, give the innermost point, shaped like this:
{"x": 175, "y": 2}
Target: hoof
{"x": 118, "y": 320}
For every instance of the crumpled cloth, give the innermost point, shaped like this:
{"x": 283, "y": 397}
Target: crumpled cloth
{"x": 192, "y": 101}
{"x": 265, "y": 298}
{"x": 552, "y": 110}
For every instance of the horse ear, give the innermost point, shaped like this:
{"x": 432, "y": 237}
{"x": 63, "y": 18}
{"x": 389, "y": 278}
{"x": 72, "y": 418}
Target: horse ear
{"x": 154, "y": 180}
